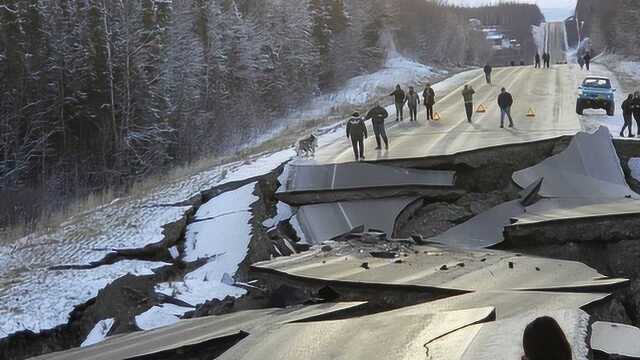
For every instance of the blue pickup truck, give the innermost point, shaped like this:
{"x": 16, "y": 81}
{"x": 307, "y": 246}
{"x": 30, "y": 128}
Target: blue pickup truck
{"x": 596, "y": 93}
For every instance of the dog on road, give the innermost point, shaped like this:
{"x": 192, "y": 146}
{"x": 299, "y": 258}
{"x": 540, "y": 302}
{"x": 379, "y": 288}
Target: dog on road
{"x": 307, "y": 146}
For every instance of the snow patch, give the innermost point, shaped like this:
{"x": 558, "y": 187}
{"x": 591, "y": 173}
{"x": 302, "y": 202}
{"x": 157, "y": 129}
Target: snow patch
{"x": 221, "y": 234}
{"x": 98, "y": 333}
{"x": 283, "y": 212}
{"x": 48, "y": 297}
{"x": 160, "y": 316}
{"x": 363, "y": 89}
{"x": 539, "y": 34}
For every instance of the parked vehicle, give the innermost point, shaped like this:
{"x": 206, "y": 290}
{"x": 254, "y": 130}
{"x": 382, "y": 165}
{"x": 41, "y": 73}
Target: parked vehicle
{"x": 596, "y": 92}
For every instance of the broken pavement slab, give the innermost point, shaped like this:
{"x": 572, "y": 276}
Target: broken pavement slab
{"x": 584, "y": 196}
{"x": 386, "y": 335}
{"x": 321, "y": 222}
{"x": 195, "y": 331}
{"x": 308, "y": 183}
{"x": 437, "y": 269}
{"x": 588, "y": 168}
{"x": 616, "y": 339}
{"x": 557, "y": 221}
{"x": 484, "y": 230}
{"x": 502, "y": 339}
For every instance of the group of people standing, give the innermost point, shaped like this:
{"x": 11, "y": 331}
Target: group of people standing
{"x": 505, "y": 102}
{"x": 630, "y": 111}
{"x": 412, "y": 99}
{"x": 546, "y": 58}
{"x": 357, "y": 130}
{"x": 585, "y": 61}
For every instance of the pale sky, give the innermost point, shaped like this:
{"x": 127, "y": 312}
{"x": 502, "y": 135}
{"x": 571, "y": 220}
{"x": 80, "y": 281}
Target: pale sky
{"x": 551, "y": 4}
{"x": 554, "y": 10}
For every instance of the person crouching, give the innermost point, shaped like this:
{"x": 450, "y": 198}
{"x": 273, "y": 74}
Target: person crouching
{"x": 357, "y": 132}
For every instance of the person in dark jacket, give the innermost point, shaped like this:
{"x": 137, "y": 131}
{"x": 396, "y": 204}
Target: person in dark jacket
{"x": 505, "y": 101}
{"x": 537, "y": 61}
{"x": 467, "y": 95}
{"x": 581, "y": 62}
{"x": 635, "y": 107}
{"x": 487, "y": 73}
{"x": 413, "y": 99}
{"x": 546, "y": 57}
{"x": 627, "y": 114}
{"x": 399, "y": 97}
{"x": 587, "y": 61}
{"x": 357, "y": 132}
{"x": 378, "y": 115}
{"x": 429, "y": 99}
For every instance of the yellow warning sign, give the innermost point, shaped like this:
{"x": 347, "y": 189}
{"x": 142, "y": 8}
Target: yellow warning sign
{"x": 531, "y": 113}
{"x": 481, "y": 109}
{"x": 436, "y": 116}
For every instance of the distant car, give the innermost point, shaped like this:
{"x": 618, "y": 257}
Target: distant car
{"x": 596, "y": 93}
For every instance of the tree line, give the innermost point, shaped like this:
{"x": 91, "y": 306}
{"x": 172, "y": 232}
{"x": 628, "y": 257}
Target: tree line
{"x": 611, "y": 25}
{"x": 98, "y": 94}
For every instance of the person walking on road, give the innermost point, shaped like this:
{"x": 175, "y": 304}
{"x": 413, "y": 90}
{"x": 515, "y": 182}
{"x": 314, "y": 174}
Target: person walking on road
{"x": 505, "y": 101}
{"x": 487, "y": 73}
{"x": 378, "y": 115}
{"x": 413, "y": 99}
{"x": 587, "y": 61}
{"x": 546, "y": 57}
{"x": 467, "y": 95}
{"x": 399, "y": 97}
{"x": 635, "y": 107}
{"x": 581, "y": 62}
{"x": 357, "y": 132}
{"x": 537, "y": 59}
{"x": 627, "y": 114}
{"x": 429, "y": 99}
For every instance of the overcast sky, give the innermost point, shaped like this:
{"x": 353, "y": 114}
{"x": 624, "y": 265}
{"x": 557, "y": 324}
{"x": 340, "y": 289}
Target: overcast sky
{"x": 554, "y": 10}
{"x": 543, "y": 3}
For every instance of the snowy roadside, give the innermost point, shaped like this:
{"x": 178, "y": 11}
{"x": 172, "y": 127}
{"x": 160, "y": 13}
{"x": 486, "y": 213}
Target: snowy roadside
{"x": 35, "y": 297}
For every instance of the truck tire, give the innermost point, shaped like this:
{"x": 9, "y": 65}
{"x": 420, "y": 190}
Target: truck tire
{"x": 579, "y": 108}
{"x": 611, "y": 110}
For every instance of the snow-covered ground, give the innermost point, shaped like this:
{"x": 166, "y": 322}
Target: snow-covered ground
{"x": 42, "y": 299}
{"x": 221, "y": 234}
{"x": 34, "y": 297}
{"x": 159, "y": 316}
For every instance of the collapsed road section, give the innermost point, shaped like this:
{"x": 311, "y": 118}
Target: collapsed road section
{"x": 412, "y": 267}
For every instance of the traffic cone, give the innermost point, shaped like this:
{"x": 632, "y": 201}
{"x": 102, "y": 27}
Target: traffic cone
{"x": 531, "y": 113}
{"x": 436, "y": 116}
{"x": 481, "y": 109}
